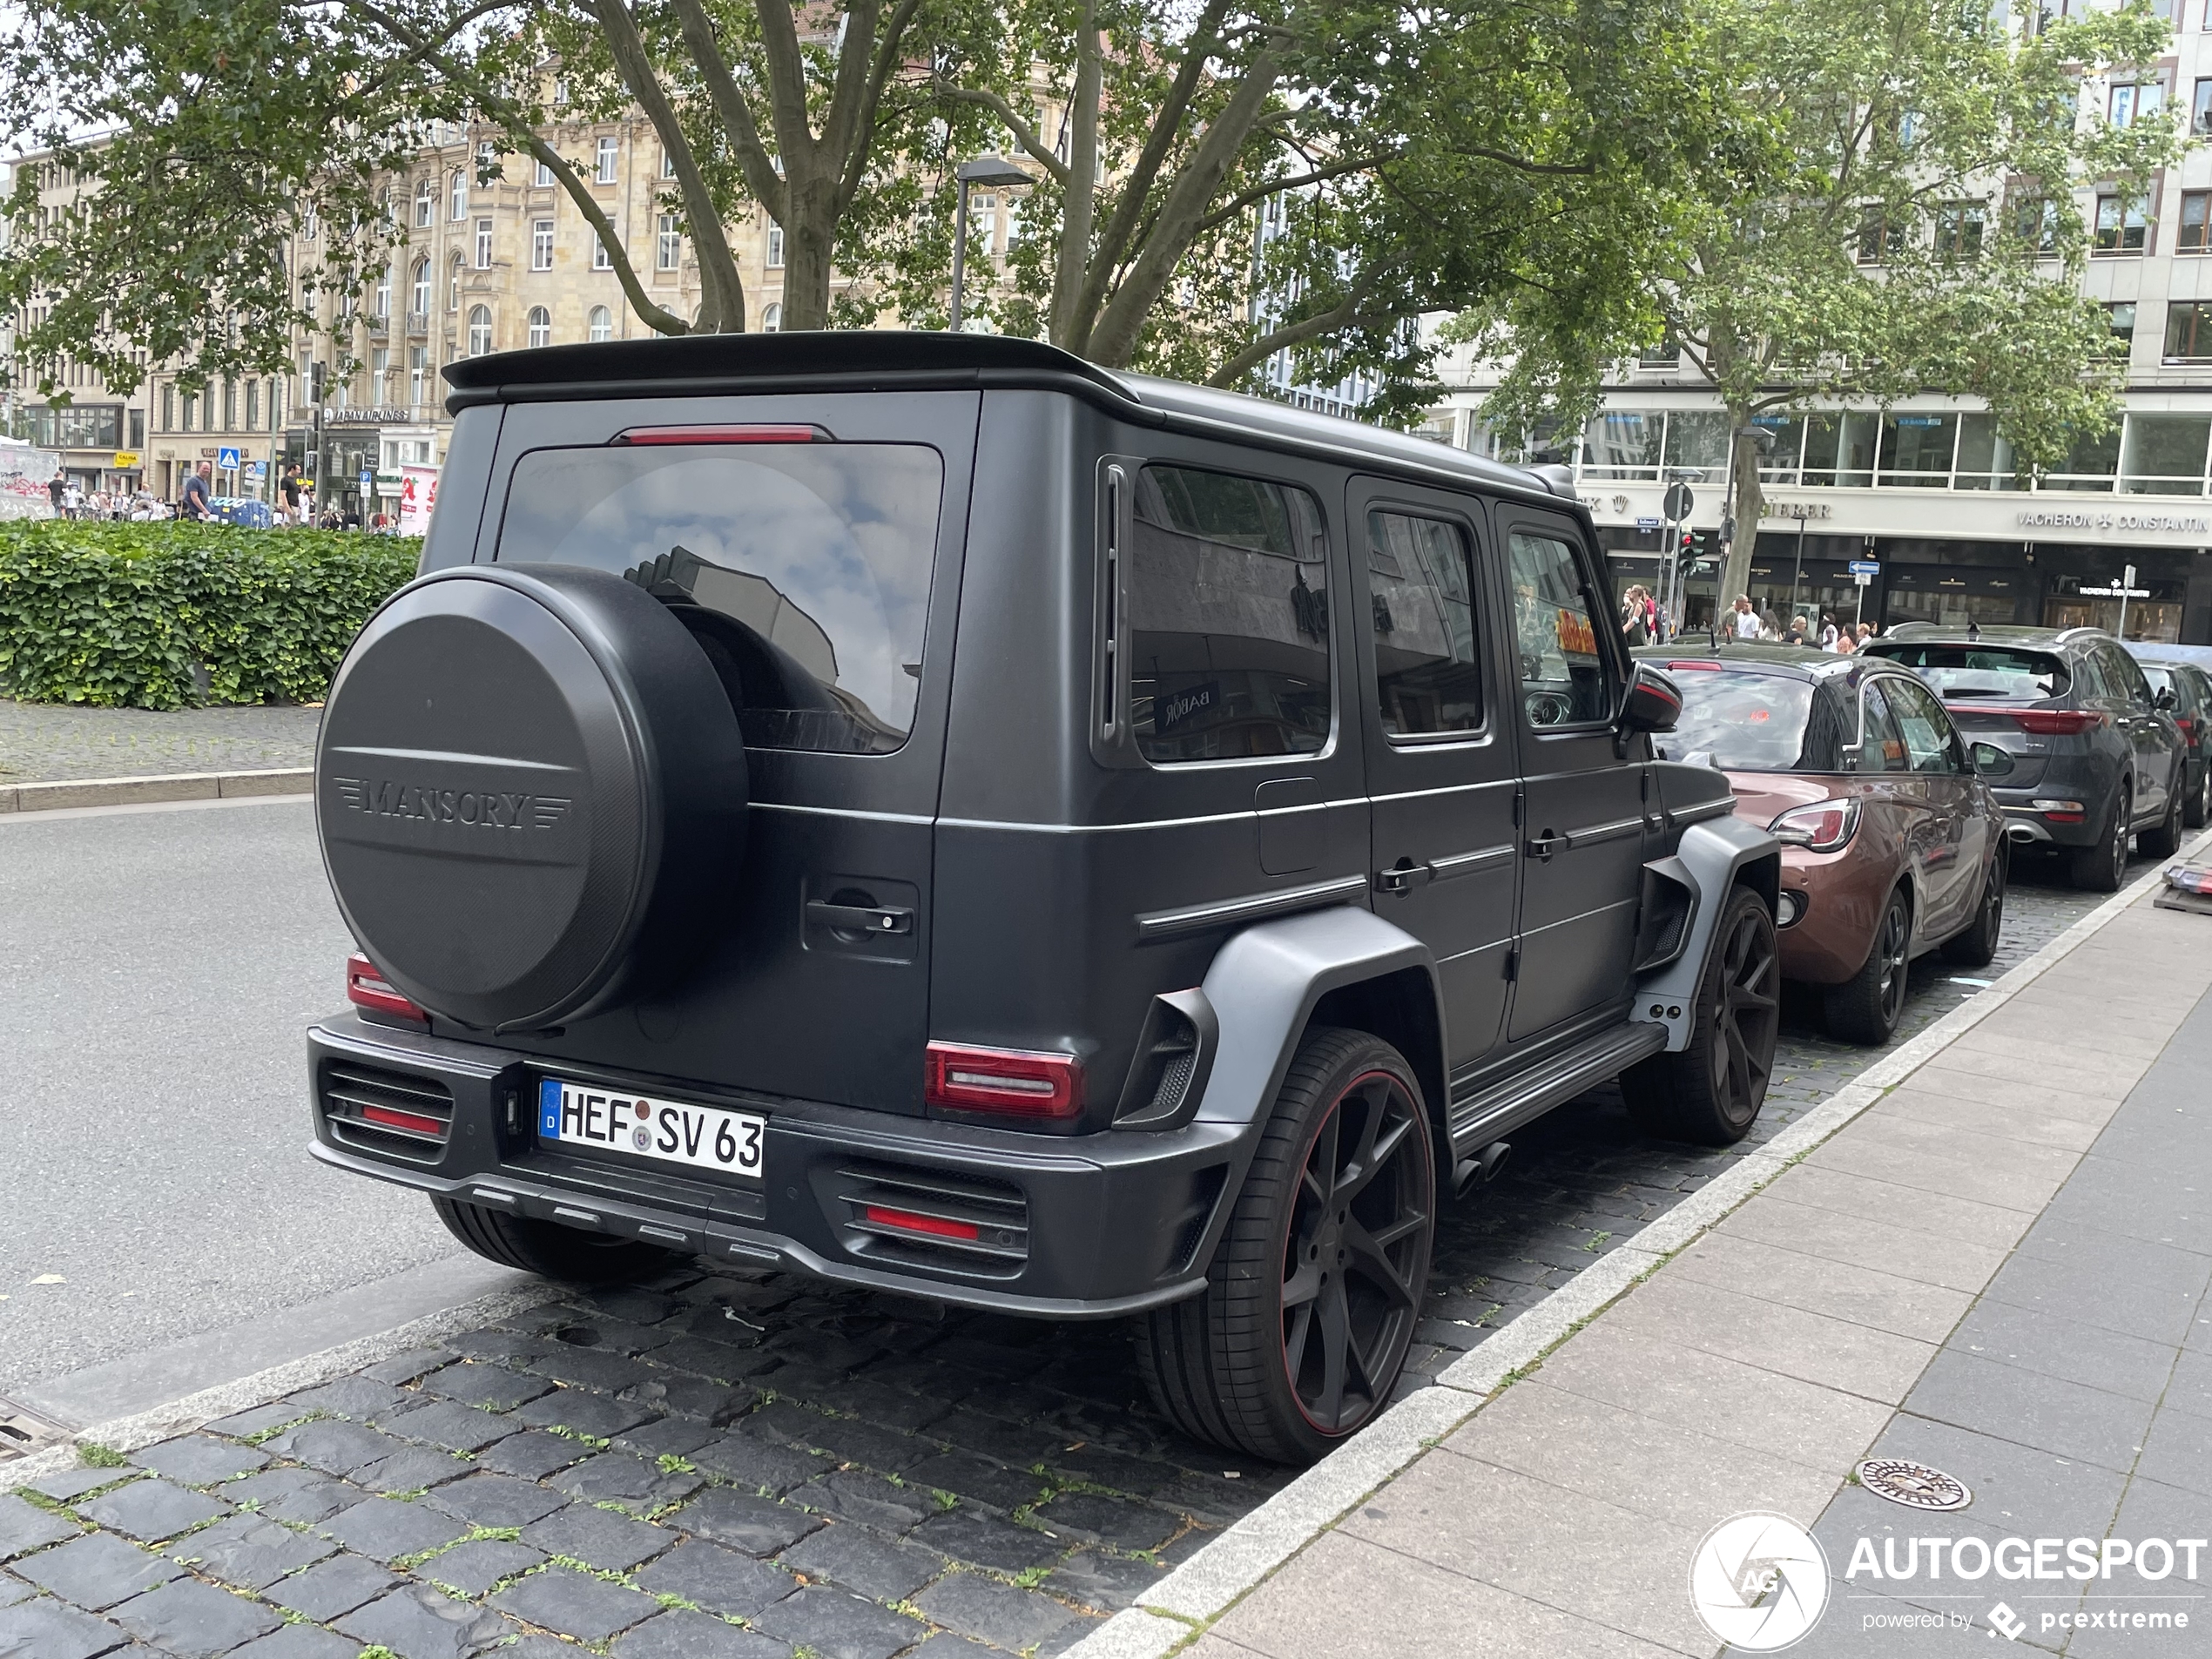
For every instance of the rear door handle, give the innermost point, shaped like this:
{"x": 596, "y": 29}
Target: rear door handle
{"x": 1542, "y": 846}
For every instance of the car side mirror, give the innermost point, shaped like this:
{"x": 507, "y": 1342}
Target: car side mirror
{"x": 1991, "y": 761}
{"x": 2164, "y": 700}
{"x": 1653, "y": 704}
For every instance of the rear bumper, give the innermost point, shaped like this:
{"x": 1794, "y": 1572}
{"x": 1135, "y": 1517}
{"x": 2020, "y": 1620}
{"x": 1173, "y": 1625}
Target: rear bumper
{"x": 1086, "y": 1227}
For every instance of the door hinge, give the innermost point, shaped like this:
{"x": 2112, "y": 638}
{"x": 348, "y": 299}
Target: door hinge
{"x": 1520, "y": 804}
{"x": 1513, "y": 966}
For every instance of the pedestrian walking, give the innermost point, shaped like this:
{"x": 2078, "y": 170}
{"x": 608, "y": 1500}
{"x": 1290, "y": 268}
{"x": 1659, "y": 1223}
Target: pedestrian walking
{"x": 193, "y": 502}
{"x": 1634, "y": 629}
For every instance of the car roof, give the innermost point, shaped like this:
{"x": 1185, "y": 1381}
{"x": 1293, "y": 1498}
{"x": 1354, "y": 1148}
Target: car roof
{"x": 1791, "y": 662}
{"x": 862, "y": 360}
{"x": 1996, "y": 634}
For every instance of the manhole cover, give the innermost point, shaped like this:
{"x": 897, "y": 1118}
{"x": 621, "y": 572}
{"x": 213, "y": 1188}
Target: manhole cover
{"x": 1915, "y": 1484}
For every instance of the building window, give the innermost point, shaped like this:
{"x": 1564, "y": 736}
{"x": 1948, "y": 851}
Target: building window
{"x": 2131, "y": 101}
{"x": 452, "y": 284}
{"x": 1958, "y": 228}
{"x": 544, "y": 180}
{"x": 480, "y": 331}
{"x": 772, "y": 319}
{"x": 379, "y": 377}
{"x": 541, "y": 325}
{"x": 483, "y": 244}
{"x": 168, "y": 406}
{"x": 383, "y": 306}
{"x": 1878, "y": 238}
{"x": 2192, "y": 237}
{"x": 542, "y": 245}
{"x": 426, "y": 203}
{"x": 1666, "y": 355}
{"x": 2188, "y": 332}
{"x": 192, "y": 410}
{"x": 138, "y": 428}
{"x": 668, "y": 164}
{"x": 605, "y": 172}
{"x": 2123, "y": 224}
{"x": 2035, "y": 222}
{"x": 987, "y": 224}
{"x": 2122, "y": 318}
{"x": 419, "y": 297}
{"x": 457, "y": 208}
{"x": 775, "y": 248}
{"x": 601, "y": 260}
{"x": 418, "y": 372}
{"x": 602, "y": 324}
{"x": 668, "y": 252}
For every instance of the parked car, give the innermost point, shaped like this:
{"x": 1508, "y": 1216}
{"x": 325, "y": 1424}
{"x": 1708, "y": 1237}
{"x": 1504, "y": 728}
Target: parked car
{"x": 920, "y": 810}
{"x": 2094, "y": 757}
{"x": 2191, "y": 689}
{"x": 1892, "y": 846}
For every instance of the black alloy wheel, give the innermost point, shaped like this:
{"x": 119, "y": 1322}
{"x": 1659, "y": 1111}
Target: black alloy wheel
{"x": 1975, "y": 945}
{"x": 2103, "y": 868}
{"x": 1357, "y": 1254}
{"x": 2163, "y": 839}
{"x": 2198, "y": 810}
{"x": 1710, "y": 1093}
{"x": 1867, "y": 1007}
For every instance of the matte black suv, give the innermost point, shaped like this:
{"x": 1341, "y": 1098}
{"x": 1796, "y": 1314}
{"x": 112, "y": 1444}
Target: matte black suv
{"x": 920, "y": 810}
{"x": 2090, "y": 755}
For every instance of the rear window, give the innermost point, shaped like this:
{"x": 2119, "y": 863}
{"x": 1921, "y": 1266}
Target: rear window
{"x": 803, "y": 567}
{"x": 1745, "y": 722}
{"x": 1963, "y": 671}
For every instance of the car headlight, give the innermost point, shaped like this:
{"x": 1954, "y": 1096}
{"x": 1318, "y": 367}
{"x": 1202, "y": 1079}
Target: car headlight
{"x": 1824, "y": 827}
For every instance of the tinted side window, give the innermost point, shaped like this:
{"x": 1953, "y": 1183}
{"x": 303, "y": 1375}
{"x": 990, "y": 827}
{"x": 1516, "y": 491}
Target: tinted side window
{"x": 2088, "y": 676}
{"x": 804, "y": 569}
{"x": 1925, "y": 728}
{"x": 1881, "y": 746}
{"x": 1428, "y": 669}
{"x": 2121, "y": 674}
{"x": 1228, "y": 618}
{"x": 1564, "y": 680}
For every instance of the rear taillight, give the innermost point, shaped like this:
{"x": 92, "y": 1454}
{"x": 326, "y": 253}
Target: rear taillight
{"x": 366, "y": 989}
{"x": 1677, "y": 668}
{"x": 2057, "y": 723}
{"x": 1014, "y": 1082}
{"x": 2187, "y": 726}
{"x": 1824, "y": 827}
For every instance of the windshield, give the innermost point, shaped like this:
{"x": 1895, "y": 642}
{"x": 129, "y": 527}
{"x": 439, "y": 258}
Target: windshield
{"x": 803, "y": 568}
{"x": 1742, "y": 722}
{"x": 1964, "y": 672}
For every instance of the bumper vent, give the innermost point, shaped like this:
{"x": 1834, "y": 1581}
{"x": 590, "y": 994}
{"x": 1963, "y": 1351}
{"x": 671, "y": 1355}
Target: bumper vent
{"x": 904, "y": 1215}
{"x": 390, "y": 1114}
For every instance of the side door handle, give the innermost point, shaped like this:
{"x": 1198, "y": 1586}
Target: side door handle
{"x": 860, "y": 919}
{"x": 1404, "y": 876}
{"x": 1542, "y": 846}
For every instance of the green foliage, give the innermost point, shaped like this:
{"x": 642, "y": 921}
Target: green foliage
{"x": 118, "y": 616}
{"x": 93, "y": 1455}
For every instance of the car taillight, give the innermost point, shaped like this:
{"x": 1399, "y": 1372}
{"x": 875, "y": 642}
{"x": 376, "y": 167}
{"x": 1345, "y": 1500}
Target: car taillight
{"x": 1017, "y": 1083}
{"x": 366, "y": 989}
{"x": 1677, "y": 668}
{"x": 722, "y": 434}
{"x": 2187, "y": 725}
{"x": 1822, "y": 828}
{"x": 2057, "y": 723}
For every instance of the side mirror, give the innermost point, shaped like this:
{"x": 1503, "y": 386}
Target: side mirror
{"x": 1653, "y": 704}
{"x": 1991, "y": 761}
{"x": 2164, "y": 700}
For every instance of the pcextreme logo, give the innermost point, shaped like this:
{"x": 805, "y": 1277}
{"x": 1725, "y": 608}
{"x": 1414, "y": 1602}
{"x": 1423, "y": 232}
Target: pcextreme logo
{"x": 1759, "y": 1581}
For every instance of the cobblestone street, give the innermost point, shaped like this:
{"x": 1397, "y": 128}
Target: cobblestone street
{"x": 757, "y": 1466}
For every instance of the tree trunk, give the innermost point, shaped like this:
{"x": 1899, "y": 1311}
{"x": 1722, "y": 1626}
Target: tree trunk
{"x": 810, "y": 239}
{"x": 1745, "y": 502}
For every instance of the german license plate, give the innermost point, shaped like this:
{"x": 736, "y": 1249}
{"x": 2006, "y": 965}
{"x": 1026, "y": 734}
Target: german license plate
{"x": 667, "y": 1131}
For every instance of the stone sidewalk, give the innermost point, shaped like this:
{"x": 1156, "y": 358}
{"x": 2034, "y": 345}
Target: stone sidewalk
{"x": 51, "y": 742}
{"x": 1999, "y": 1267}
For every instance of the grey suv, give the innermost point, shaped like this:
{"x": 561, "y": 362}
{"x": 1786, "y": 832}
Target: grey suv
{"x": 920, "y": 811}
{"x": 2079, "y": 751}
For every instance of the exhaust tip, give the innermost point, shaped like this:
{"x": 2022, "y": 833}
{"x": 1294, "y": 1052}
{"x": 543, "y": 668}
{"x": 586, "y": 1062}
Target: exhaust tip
{"x": 1479, "y": 1170}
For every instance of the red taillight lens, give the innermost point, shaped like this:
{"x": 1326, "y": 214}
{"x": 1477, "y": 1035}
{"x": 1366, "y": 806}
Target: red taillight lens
{"x": 722, "y": 434}
{"x": 366, "y": 988}
{"x": 1677, "y": 668}
{"x": 907, "y": 1221}
{"x": 1016, "y": 1083}
{"x": 1824, "y": 827}
{"x": 2187, "y": 725}
{"x": 2056, "y": 722}
{"x": 415, "y": 1120}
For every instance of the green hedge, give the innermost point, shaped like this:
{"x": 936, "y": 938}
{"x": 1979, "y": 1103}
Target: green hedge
{"x": 120, "y": 616}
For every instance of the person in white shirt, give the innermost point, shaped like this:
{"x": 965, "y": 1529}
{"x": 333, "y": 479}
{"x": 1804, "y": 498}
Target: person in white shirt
{"x": 1746, "y": 620}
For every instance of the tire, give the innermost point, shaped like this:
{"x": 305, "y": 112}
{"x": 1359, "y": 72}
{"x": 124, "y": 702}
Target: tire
{"x": 1976, "y": 946}
{"x": 1710, "y": 1093}
{"x": 1867, "y": 1007}
{"x": 2102, "y": 866}
{"x": 1247, "y": 1364}
{"x": 2165, "y": 840}
{"x": 2198, "y": 808}
{"x": 549, "y": 1248}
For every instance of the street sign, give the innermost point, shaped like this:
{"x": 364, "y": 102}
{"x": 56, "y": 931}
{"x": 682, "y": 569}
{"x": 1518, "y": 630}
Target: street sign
{"x": 1679, "y": 501}
{"x": 368, "y": 481}
{"x": 2126, "y": 576}
{"x": 1862, "y": 578}
{"x": 257, "y": 469}
{"x": 1647, "y": 523}
{"x": 1866, "y": 568}
{"x": 226, "y": 459}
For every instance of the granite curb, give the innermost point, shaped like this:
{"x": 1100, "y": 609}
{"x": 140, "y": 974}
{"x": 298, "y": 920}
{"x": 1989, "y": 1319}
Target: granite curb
{"x": 1252, "y": 1549}
{"x": 170, "y": 786}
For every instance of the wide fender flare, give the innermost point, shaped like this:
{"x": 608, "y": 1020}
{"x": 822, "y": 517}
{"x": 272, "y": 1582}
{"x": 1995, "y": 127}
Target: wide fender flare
{"x": 1264, "y": 983}
{"x": 1711, "y": 857}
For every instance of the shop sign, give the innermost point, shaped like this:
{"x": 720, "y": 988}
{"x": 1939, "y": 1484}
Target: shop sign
{"x": 1797, "y": 509}
{"x": 125, "y": 460}
{"x": 2149, "y": 524}
{"x": 418, "y": 498}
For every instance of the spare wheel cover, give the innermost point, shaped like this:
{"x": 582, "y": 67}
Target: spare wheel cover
{"x": 530, "y": 791}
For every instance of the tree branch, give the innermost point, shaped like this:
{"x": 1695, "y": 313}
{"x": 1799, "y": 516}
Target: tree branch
{"x": 1029, "y": 138}
{"x": 1070, "y": 327}
{"x": 729, "y": 100}
{"x": 1346, "y": 314}
{"x": 863, "y": 139}
{"x": 1245, "y": 199}
{"x": 1167, "y": 123}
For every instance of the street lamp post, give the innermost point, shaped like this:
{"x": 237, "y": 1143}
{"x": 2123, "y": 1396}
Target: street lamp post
{"x": 995, "y": 172}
